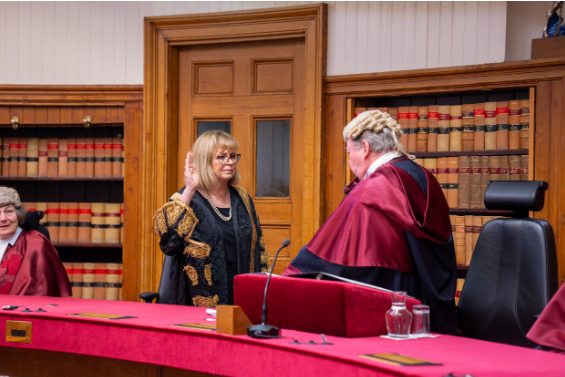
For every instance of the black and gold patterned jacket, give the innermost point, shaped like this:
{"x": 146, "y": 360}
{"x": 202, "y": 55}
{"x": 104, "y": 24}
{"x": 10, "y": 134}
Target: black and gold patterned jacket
{"x": 191, "y": 236}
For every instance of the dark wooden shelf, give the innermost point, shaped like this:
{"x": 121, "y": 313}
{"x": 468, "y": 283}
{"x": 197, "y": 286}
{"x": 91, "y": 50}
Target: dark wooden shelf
{"x": 506, "y": 152}
{"x": 80, "y": 244}
{"x": 479, "y": 211}
{"x": 54, "y": 179}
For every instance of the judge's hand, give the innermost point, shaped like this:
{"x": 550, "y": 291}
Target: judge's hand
{"x": 190, "y": 179}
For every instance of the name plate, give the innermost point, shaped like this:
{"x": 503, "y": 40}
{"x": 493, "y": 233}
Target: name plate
{"x": 18, "y": 331}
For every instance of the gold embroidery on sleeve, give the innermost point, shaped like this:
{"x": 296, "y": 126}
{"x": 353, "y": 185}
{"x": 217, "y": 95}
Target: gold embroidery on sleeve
{"x": 208, "y": 273}
{"x": 206, "y": 302}
{"x": 187, "y": 224}
{"x": 262, "y": 243}
{"x": 265, "y": 258}
{"x": 160, "y": 223}
{"x": 192, "y": 274}
{"x": 264, "y": 261}
{"x": 173, "y": 210}
{"x": 197, "y": 249}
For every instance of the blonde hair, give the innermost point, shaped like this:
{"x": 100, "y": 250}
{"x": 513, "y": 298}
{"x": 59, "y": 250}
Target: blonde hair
{"x": 376, "y": 122}
{"x": 204, "y": 150}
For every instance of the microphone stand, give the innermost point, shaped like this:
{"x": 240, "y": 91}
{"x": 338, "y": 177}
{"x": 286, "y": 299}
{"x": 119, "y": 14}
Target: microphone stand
{"x": 263, "y": 330}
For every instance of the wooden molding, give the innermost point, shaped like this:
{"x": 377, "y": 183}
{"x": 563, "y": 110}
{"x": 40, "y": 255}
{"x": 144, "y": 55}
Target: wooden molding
{"x": 163, "y": 36}
{"x": 70, "y": 95}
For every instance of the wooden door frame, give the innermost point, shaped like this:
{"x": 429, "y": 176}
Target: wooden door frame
{"x": 163, "y": 36}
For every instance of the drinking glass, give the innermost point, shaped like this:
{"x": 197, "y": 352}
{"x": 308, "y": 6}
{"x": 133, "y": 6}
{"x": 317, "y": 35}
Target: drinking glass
{"x": 421, "y": 319}
{"x": 398, "y": 318}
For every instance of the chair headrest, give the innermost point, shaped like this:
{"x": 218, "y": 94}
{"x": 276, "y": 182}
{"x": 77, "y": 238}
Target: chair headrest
{"x": 517, "y": 196}
{"x": 31, "y": 221}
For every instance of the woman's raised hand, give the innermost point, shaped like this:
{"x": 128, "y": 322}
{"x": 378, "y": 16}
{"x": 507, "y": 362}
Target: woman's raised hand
{"x": 190, "y": 179}
{"x": 190, "y": 175}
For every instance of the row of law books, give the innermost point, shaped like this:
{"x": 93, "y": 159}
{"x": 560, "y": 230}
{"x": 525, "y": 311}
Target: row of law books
{"x": 466, "y": 230}
{"x": 81, "y": 222}
{"x": 62, "y": 158}
{"x": 99, "y": 281}
{"x": 471, "y": 127}
{"x": 464, "y": 179}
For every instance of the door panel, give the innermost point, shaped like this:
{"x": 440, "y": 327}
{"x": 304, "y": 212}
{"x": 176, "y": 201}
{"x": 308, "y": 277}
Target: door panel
{"x": 260, "y": 88}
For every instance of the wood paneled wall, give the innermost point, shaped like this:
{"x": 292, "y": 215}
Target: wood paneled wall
{"x": 69, "y": 43}
{"x": 546, "y": 77}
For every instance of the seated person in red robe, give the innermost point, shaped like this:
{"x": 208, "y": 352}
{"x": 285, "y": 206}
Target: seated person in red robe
{"x": 392, "y": 229}
{"x": 29, "y": 264}
{"x": 549, "y": 329}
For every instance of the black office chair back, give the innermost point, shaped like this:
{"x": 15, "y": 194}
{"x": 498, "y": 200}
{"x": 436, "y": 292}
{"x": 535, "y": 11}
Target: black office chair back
{"x": 164, "y": 285}
{"x": 513, "y": 271}
{"x": 31, "y": 222}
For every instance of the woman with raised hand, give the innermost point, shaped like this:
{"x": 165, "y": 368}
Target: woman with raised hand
{"x": 210, "y": 227}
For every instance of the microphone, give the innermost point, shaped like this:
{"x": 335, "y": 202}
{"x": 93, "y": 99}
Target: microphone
{"x": 263, "y": 330}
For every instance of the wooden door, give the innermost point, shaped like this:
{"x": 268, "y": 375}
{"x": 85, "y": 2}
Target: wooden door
{"x": 256, "y": 92}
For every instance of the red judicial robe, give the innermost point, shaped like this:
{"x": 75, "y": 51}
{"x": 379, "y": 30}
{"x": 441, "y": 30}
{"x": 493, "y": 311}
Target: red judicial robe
{"x": 549, "y": 329}
{"x": 392, "y": 230}
{"x": 32, "y": 267}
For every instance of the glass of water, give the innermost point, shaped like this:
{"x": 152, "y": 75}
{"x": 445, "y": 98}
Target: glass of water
{"x": 421, "y": 319}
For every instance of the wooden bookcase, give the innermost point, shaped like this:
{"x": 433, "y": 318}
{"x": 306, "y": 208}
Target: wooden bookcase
{"x": 542, "y": 78}
{"x": 115, "y": 111}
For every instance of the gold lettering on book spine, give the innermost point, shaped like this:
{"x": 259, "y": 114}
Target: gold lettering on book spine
{"x": 192, "y": 274}
{"x": 208, "y": 273}
{"x": 245, "y": 198}
{"x": 197, "y": 249}
{"x": 205, "y": 302}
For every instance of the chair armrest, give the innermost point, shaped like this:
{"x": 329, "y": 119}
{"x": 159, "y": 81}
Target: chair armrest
{"x": 148, "y": 296}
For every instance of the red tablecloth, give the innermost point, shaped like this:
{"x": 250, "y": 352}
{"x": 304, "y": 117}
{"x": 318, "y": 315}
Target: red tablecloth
{"x": 150, "y": 338}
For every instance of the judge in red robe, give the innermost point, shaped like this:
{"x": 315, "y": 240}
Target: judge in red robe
{"x": 549, "y": 329}
{"x": 392, "y": 229}
{"x": 29, "y": 264}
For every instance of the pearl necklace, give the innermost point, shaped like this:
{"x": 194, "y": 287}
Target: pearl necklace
{"x": 215, "y": 208}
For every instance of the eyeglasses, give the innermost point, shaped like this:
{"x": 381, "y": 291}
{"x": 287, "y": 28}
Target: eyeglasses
{"x": 224, "y": 160}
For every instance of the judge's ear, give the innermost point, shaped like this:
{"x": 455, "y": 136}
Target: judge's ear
{"x": 366, "y": 149}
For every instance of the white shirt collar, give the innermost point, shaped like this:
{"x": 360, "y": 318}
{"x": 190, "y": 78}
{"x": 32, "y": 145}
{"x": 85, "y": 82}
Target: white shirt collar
{"x": 379, "y": 162}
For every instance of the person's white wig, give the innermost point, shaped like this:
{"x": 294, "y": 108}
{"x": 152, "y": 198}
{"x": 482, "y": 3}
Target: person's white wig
{"x": 377, "y": 122}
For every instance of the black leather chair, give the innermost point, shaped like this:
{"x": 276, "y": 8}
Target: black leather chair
{"x": 513, "y": 271}
{"x": 31, "y": 222}
{"x": 164, "y": 285}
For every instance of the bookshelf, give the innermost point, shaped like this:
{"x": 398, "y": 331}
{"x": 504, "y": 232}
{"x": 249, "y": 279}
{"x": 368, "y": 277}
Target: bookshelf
{"x": 57, "y": 112}
{"x": 538, "y": 80}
